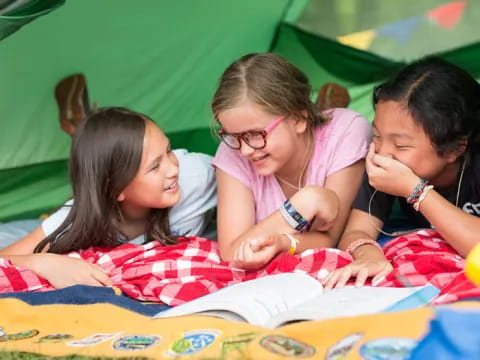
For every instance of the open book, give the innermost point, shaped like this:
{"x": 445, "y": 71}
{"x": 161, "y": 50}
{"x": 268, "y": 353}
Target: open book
{"x": 276, "y": 300}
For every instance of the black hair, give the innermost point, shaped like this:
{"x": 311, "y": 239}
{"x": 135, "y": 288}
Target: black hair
{"x": 441, "y": 97}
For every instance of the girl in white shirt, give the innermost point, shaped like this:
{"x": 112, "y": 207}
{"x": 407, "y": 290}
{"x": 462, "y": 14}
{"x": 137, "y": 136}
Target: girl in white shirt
{"x": 124, "y": 179}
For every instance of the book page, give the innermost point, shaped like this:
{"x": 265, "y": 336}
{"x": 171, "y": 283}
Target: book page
{"x": 352, "y": 301}
{"x": 256, "y": 300}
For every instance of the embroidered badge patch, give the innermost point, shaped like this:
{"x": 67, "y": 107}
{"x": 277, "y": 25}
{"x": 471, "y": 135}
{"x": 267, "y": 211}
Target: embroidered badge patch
{"x": 192, "y": 342}
{"x": 388, "y": 349}
{"x": 287, "y": 346}
{"x": 238, "y": 342}
{"x": 93, "y": 339}
{"x": 55, "y": 338}
{"x": 19, "y": 336}
{"x": 343, "y": 347}
{"x": 135, "y": 342}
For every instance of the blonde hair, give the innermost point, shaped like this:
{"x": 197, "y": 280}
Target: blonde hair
{"x": 269, "y": 81}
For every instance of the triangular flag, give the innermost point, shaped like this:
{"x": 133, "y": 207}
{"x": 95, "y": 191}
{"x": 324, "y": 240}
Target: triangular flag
{"x": 359, "y": 40}
{"x": 448, "y": 15}
{"x": 401, "y": 30}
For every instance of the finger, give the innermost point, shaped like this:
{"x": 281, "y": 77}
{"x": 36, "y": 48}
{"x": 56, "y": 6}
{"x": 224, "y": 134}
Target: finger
{"x": 265, "y": 241}
{"x": 102, "y": 278}
{"x": 254, "y": 244}
{"x": 371, "y": 151}
{"x": 344, "y": 277}
{"x": 380, "y": 277}
{"x": 242, "y": 252}
{"x": 90, "y": 280}
{"x": 100, "y": 275}
{"x": 237, "y": 255}
{"x": 331, "y": 279}
{"x": 362, "y": 276}
{"x": 370, "y": 164}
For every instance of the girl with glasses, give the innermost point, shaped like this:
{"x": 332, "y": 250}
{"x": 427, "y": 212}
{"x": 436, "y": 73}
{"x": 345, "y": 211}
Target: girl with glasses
{"x": 425, "y": 155}
{"x": 126, "y": 188}
{"x": 286, "y": 175}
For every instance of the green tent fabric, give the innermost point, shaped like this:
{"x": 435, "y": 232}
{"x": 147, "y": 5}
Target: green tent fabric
{"x": 164, "y": 59}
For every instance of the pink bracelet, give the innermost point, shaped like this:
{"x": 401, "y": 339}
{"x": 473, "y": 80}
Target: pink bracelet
{"x": 357, "y": 243}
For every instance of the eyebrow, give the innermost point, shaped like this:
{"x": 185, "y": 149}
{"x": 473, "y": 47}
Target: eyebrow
{"x": 157, "y": 159}
{"x": 244, "y": 132}
{"x": 396, "y": 135}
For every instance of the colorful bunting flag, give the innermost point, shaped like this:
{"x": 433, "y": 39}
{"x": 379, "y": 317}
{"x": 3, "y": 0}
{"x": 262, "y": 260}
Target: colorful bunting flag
{"x": 448, "y": 15}
{"x": 359, "y": 40}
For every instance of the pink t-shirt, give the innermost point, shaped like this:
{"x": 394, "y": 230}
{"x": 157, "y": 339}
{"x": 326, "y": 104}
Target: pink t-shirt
{"x": 339, "y": 143}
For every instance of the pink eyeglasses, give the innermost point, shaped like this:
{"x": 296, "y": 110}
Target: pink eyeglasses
{"x": 256, "y": 139}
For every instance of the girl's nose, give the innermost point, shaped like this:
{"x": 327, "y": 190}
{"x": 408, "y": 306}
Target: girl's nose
{"x": 245, "y": 149}
{"x": 172, "y": 165}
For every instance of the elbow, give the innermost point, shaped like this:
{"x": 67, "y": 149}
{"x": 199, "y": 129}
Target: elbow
{"x": 225, "y": 251}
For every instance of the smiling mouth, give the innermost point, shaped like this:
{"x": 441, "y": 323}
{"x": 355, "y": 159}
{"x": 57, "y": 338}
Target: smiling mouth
{"x": 171, "y": 186}
{"x": 258, "y": 158}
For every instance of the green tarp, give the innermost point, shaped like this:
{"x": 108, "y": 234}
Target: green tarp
{"x": 164, "y": 58}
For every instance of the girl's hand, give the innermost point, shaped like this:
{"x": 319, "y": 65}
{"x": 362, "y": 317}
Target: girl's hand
{"x": 255, "y": 253}
{"x": 389, "y": 175}
{"x": 319, "y": 203}
{"x": 361, "y": 269}
{"x": 62, "y": 271}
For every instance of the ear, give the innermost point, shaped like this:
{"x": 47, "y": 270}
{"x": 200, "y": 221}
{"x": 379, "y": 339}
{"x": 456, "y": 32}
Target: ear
{"x": 301, "y": 124}
{"x": 121, "y": 197}
{"x": 459, "y": 151}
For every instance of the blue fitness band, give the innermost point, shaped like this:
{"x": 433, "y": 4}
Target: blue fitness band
{"x": 293, "y": 217}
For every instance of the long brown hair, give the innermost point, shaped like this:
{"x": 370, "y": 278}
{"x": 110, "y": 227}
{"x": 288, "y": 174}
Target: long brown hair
{"x": 269, "y": 81}
{"x": 105, "y": 157}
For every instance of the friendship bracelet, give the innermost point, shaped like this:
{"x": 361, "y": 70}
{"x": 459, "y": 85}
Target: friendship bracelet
{"x": 293, "y": 217}
{"x": 360, "y": 242}
{"x": 293, "y": 243}
{"x": 416, "y": 204}
{"x": 417, "y": 190}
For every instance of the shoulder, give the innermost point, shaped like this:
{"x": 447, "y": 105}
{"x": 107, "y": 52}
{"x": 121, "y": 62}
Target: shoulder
{"x": 234, "y": 164}
{"x": 194, "y": 163}
{"x": 51, "y": 223}
{"x": 196, "y": 174}
{"x": 198, "y": 190}
{"x": 343, "y": 125}
{"x": 341, "y": 118}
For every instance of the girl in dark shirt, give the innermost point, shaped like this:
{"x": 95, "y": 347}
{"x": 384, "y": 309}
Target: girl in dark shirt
{"x": 425, "y": 153}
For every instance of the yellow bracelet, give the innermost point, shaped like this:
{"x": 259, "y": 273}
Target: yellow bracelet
{"x": 293, "y": 244}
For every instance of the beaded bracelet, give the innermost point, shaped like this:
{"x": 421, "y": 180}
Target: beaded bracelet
{"x": 360, "y": 242}
{"x": 416, "y": 204}
{"x": 417, "y": 190}
{"x": 293, "y": 243}
{"x": 293, "y": 217}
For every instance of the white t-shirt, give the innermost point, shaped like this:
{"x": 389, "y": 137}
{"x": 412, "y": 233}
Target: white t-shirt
{"x": 191, "y": 215}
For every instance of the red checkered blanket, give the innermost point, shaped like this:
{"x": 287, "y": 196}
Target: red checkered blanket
{"x": 192, "y": 268}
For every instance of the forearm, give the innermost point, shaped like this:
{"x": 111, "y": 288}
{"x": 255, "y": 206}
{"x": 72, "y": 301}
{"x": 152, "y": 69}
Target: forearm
{"x": 273, "y": 224}
{"x": 26, "y": 261}
{"x": 314, "y": 240}
{"x": 362, "y": 226}
{"x": 457, "y": 227}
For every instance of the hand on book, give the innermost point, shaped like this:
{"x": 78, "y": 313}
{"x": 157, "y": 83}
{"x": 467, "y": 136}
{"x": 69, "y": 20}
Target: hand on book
{"x": 378, "y": 269}
{"x": 255, "y": 253}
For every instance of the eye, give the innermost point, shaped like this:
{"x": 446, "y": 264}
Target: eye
{"x": 253, "y": 135}
{"x": 155, "y": 166}
{"x": 402, "y": 147}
